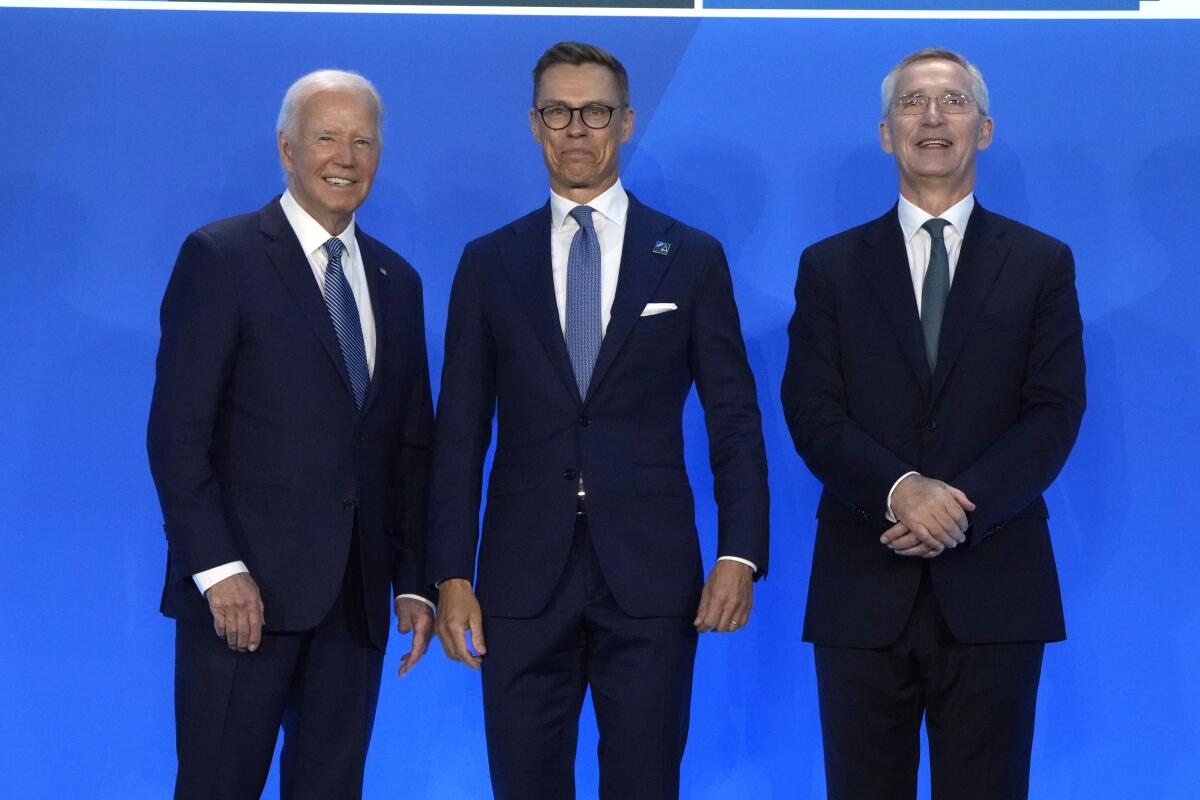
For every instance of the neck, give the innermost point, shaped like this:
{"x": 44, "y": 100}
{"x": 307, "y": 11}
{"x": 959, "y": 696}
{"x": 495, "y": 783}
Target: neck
{"x": 934, "y": 199}
{"x": 582, "y": 194}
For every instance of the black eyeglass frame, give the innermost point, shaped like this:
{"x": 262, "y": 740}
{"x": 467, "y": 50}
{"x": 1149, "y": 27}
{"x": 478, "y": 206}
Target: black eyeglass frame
{"x": 580, "y": 109}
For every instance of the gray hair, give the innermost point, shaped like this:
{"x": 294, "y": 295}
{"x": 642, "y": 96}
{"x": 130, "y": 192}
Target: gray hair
{"x": 979, "y": 90}
{"x": 323, "y": 80}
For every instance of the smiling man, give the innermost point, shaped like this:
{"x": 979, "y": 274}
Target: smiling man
{"x": 935, "y": 386}
{"x": 583, "y": 326}
{"x": 289, "y": 438}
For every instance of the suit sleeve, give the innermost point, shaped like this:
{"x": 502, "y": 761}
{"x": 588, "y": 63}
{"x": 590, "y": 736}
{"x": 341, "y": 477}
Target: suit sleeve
{"x": 725, "y": 385}
{"x": 1015, "y": 470}
{"x": 851, "y": 464}
{"x": 466, "y": 406}
{"x": 413, "y": 462}
{"x": 199, "y": 320}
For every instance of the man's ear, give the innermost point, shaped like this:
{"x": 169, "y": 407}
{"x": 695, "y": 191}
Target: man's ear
{"x": 986, "y": 129}
{"x": 627, "y": 120}
{"x": 285, "y": 152}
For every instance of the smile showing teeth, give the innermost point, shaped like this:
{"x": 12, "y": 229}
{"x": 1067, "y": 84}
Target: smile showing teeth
{"x": 933, "y": 143}
{"x": 338, "y": 181}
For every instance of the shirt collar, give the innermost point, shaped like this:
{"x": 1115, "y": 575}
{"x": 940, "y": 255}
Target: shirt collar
{"x": 612, "y": 204}
{"x": 310, "y": 233}
{"x": 913, "y": 217}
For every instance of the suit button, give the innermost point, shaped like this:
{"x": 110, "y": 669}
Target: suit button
{"x": 349, "y": 505}
{"x": 362, "y": 438}
{"x": 585, "y": 420}
{"x": 569, "y": 474}
{"x": 931, "y": 426}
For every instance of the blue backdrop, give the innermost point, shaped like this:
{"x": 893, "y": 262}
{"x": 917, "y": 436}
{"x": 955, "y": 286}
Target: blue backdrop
{"x": 127, "y": 129}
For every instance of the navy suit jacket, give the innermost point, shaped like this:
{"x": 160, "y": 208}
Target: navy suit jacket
{"x": 256, "y": 448}
{"x": 506, "y": 355}
{"x": 997, "y": 419}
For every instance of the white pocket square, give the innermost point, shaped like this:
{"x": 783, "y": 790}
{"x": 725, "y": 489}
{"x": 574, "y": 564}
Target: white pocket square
{"x": 658, "y": 308}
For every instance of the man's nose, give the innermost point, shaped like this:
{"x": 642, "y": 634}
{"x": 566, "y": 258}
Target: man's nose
{"x": 933, "y": 114}
{"x": 576, "y": 127}
{"x": 344, "y": 155}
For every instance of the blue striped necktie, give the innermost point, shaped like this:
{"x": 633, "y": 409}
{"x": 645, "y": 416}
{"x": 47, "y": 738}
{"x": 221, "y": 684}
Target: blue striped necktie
{"x": 583, "y": 299}
{"x": 344, "y": 314}
{"x": 934, "y": 289}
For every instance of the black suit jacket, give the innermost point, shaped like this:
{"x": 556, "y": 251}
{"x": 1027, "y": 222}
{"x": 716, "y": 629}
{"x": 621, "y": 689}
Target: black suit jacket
{"x": 256, "y": 447}
{"x": 506, "y": 355}
{"x": 996, "y": 419}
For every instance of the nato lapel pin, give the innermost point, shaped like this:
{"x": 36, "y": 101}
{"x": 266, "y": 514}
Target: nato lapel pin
{"x": 662, "y": 248}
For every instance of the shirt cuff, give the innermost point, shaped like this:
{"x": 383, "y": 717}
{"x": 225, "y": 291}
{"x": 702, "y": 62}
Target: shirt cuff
{"x": 753, "y": 567}
{"x": 889, "y": 516}
{"x": 210, "y": 577}
{"x": 424, "y": 600}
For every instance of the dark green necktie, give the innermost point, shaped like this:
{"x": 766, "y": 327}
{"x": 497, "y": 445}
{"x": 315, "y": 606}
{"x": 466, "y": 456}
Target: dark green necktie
{"x": 935, "y": 289}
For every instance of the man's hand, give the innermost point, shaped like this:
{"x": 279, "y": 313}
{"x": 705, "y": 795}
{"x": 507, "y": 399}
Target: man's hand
{"x": 932, "y": 511}
{"x": 904, "y": 542}
{"x": 727, "y": 598}
{"x": 413, "y": 615}
{"x": 458, "y": 612}
{"x": 237, "y": 610}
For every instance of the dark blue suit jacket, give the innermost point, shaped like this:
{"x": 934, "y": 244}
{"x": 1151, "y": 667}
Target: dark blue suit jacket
{"x": 257, "y": 450}
{"x": 996, "y": 419}
{"x": 505, "y": 354}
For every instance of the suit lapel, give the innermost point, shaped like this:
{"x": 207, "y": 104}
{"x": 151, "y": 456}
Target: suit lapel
{"x": 289, "y": 260}
{"x": 979, "y": 262}
{"x": 884, "y": 264}
{"x": 377, "y": 282}
{"x": 641, "y": 271}
{"x": 532, "y": 277}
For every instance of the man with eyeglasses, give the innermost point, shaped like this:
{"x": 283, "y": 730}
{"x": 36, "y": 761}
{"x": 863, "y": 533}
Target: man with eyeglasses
{"x": 935, "y": 386}
{"x": 583, "y": 327}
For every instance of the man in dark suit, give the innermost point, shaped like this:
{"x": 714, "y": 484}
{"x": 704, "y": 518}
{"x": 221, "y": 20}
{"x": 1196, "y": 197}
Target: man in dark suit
{"x": 585, "y": 324}
{"x": 289, "y": 438}
{"x": 934, "y": 385}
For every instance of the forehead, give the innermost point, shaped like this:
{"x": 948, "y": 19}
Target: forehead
{"x": 933, "y": 74}
{"x": 578, "y": 83}
{"x": 340, "y": 107}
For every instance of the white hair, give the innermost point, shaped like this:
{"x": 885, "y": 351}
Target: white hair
{"x": 323, "y": 80}
{"x": 979, "y": 90}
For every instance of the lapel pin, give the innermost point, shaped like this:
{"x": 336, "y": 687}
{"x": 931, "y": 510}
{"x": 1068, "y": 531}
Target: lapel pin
{"x": 662, "y": 248}
{"x": 383, "y": 272}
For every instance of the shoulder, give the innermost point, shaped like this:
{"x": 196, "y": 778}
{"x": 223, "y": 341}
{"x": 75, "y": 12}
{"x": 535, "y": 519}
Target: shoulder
{"x": 376, "y": 253}
{"x": 531, "y": 227}
{"x": 240, "y": 226}
{"x": 846, "y": 242}
{"x": 643, "y": 217}
{"x": 1018, "y": 234}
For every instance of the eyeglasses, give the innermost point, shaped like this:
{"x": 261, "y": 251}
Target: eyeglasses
{"x": 593, "y": 115}
{"x": 914, "y": 103}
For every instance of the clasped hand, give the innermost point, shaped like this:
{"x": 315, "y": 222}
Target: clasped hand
{"x": 931, "y": 515}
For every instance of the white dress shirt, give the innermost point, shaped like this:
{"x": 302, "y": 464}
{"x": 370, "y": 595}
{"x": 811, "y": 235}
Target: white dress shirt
{"x": 610, "y": 208}
{"x": 312, "y": 237}
{"x": 917, "y": 242}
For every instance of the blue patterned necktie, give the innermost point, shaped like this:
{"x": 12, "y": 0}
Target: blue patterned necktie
{"x": 343, "y": 312}
{"x": 583, "y": 299}
{"x": 935, "y": 289}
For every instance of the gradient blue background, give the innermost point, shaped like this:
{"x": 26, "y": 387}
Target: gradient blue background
{"x": 123, "y": 131}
